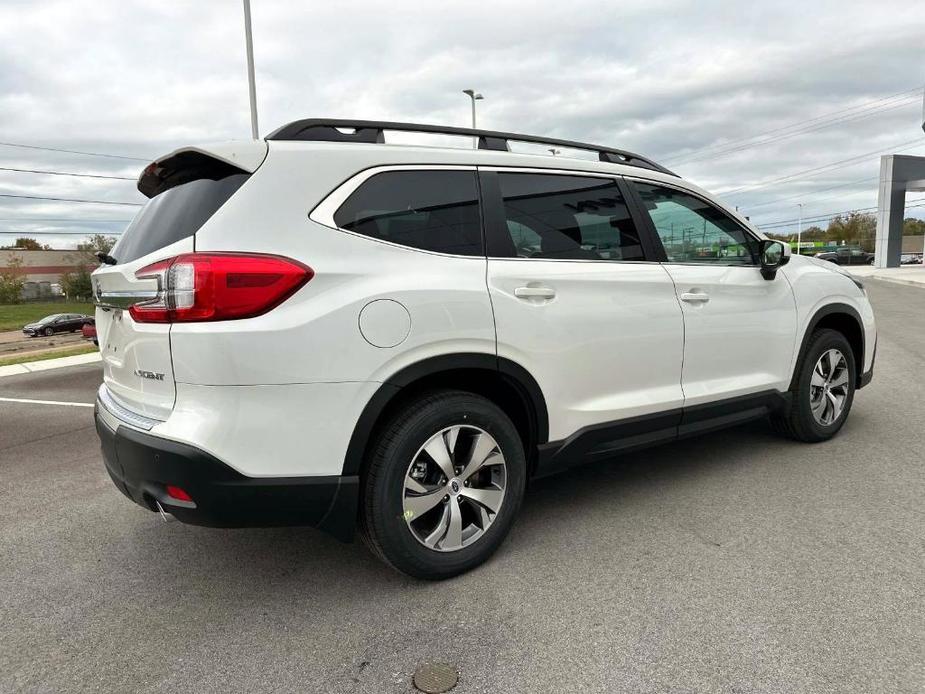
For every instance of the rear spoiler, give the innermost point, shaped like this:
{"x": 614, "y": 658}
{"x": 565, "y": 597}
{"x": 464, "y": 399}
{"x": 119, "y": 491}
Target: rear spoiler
{"x": 207, "y": 161}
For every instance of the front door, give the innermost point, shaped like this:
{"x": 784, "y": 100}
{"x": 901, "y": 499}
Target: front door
{"x": 739, "y": 328}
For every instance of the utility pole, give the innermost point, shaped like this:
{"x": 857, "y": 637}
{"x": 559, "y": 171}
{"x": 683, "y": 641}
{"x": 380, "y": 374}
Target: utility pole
{"x": 474, "y": 96}
{"x": 252, "y": 86}
{"x": 800, "y": 231}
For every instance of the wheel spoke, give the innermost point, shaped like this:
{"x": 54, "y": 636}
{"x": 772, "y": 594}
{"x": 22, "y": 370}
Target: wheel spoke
{"x": 841, "y": 380}
{"x": 436, "y": 449}
{"x": 818, "y": 408}
{"x": 414, "y": 485}
{"x": 489, "y": 498}
{"x": 453, "y": 537}
{"x": 818, "y": 380}
{"x": 440, "y": 530}
{"x": 450, "y": 436}
{"x": 419, "y": 505}
{"x": 482, "y": 448}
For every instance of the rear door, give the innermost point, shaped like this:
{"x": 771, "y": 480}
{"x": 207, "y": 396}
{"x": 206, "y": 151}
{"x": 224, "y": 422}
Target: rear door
{"x": 137, "y": 368}
{"x": 580, "y": 302}
{"x": 739, "y": 328}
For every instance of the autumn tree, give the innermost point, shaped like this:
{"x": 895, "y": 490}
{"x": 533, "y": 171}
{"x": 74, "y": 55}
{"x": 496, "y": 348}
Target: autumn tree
{"x": 11, "y": 282}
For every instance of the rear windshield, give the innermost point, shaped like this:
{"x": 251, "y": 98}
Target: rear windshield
{"x": 174, "y": 214}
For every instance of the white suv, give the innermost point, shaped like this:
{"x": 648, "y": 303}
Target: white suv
{"x": 323, "y": 329}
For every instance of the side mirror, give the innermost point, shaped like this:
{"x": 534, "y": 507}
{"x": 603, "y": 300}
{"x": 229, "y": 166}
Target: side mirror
{"x": 774, "y": 255}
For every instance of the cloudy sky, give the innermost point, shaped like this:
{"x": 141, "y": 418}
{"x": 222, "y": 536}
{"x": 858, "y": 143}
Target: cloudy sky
{"x": 770, "y": 103}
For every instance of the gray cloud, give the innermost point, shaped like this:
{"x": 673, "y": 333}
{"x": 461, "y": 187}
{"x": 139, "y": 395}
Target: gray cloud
{"x": 660, "y": 77}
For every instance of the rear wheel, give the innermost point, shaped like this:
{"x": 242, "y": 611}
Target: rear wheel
{"x": 824, "y": 389}
{"x": 445, "y": 482}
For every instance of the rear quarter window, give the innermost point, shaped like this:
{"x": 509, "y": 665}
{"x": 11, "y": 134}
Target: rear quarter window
{"x": 175, "y": 214}
{"x": 430, "y": 210}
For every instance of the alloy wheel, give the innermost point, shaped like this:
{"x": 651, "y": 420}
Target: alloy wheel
{"x": 828, "y": 390}
{"x": 454, "y": 488}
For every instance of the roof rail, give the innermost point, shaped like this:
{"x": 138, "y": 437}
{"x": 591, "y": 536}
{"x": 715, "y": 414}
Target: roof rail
{"x": 369, "y": 131}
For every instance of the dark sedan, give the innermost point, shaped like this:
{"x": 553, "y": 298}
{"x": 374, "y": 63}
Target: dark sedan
{"x": 58, "y": 323}
{"x": 847, "y": 256}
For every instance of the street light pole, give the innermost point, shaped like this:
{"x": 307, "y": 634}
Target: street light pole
{"x": 800, "y": 230}
{"x": 474, "y": 96}
{"x": 252, "y": 86}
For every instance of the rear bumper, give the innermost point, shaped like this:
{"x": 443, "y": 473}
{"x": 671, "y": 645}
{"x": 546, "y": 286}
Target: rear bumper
{"x": 142, "y": 465}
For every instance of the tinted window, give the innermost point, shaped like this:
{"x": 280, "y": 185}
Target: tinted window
{"x": 431, "y": 210}
{"x": 693, "y": 231}
{"x": 577, "y": 217}
{"x": 174, "y": 214}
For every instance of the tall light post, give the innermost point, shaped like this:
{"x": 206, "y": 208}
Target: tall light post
{"x": 252, "y": 86}
{"x": 800, "y": 230}
{"x": 473, "y": 96}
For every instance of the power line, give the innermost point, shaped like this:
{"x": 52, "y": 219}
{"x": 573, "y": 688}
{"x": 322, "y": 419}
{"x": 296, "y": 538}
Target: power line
{"x": 810, "y": 129}
{"x": 67, "y": 173}
{"x": 850, "y": 161}
{"x": 73, "y": 151}
{"x": 811, "y": 194}
{"x": 830, "y": 215}
{"x": 33, "y": 220}
{"x": 94, "y": 202}
{"x": 28, "y": 234}
{"x": 823, "y": 117}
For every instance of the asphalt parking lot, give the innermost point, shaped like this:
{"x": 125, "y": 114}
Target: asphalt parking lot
{"x": 737, "y": 562}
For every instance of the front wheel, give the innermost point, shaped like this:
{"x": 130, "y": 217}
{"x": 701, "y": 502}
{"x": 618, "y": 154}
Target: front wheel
{"x": 49, "y": 332}
{"x": 444, "y": 484}
{"x": 823, "y": 392}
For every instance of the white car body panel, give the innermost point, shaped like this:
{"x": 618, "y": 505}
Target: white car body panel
{"x": 740, "y": 340}
{"x": 607, "y": 346}
{"x": 129, "y": 348}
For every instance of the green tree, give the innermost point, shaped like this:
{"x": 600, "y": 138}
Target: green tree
{"x": 97, "y": 243}
{"x": 11, "y": 282}
{"x": 27, "y": 244}
{"x": 857, "y": 229}
{"x": 913, "y": 227}
{"x": 77, "y": 285}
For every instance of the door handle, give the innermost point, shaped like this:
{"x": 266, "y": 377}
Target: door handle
{"x": 695, "y": 297}
{"x": 535, "y": 292}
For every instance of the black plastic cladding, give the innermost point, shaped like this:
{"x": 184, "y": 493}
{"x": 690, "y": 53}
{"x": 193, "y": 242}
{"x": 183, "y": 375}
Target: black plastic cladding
{"x": 372, "y": 132}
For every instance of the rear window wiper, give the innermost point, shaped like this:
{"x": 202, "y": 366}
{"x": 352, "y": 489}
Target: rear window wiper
{"x": 106, "y": 258}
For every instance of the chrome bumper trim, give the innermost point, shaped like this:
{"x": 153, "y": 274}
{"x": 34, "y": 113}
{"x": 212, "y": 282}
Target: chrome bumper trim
{"x": 105, "y": 400}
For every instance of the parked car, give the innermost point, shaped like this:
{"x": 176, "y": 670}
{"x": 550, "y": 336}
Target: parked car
{"x": 337, "y": 333}
{"x": 847, "y": 256}
{"x": 89, "y": 333}
{"x": 910, "y": 259}
{"x": 57, "y": 323}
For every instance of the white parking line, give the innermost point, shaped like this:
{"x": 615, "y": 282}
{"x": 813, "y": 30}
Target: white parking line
{"x": 47, "y": 402}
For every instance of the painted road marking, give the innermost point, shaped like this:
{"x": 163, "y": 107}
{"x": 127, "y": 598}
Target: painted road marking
{"x": 47, "y": 402}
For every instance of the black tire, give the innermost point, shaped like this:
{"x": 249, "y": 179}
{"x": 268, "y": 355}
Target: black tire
{"x": 798, "y": 421}
{"x": 49, "y": 332}
{"x": 382, "y": 523}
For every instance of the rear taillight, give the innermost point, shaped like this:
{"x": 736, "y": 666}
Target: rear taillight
{"x": 218, "y": 286}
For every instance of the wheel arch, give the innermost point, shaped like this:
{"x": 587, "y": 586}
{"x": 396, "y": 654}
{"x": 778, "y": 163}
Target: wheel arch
{"x": 844, "y": 319}
{"x": 504, "y": 382}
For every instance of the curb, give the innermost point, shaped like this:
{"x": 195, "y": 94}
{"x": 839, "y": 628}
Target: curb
{"x": 47, "y": 364}
{"x": 897, "y": 280}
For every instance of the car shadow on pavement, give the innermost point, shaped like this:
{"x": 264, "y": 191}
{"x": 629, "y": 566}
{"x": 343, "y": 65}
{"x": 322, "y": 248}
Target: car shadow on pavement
{"x": 284, "y": 562}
